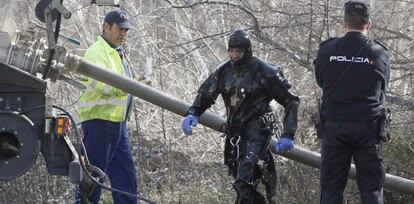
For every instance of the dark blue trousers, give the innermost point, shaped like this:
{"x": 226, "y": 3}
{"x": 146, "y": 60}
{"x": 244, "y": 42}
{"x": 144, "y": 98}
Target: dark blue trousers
{"x": 108, "y": 147}
{"x": 342, "y": 141}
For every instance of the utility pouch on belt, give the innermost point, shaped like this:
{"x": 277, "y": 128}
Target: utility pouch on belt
{"x": 384, "y": 127}
{"x": 319, "y": 122}
{"x": 319, "y": 128}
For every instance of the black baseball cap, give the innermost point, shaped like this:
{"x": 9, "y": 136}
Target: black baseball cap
{"x": 356, "y": 8}
{"x": 119, "y": 17}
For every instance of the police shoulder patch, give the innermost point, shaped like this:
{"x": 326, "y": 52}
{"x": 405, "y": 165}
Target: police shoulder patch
{"x": 330, "y": 39}
{"x": 382, "y": 44}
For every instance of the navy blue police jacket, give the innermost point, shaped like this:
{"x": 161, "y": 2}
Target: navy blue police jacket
{"x": 360, "y": 94}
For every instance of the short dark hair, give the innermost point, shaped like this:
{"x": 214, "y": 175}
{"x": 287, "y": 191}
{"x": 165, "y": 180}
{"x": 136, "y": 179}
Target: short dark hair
{"x": 356, "y": 14}
{"x": 110, "y": 25}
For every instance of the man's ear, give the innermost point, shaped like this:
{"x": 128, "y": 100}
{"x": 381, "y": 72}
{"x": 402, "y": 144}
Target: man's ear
{"x": 106, "y": 27}
{"x": 345, "y": 25}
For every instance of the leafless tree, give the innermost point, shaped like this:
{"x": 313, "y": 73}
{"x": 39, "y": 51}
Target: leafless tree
{"x": 176, "y": 44}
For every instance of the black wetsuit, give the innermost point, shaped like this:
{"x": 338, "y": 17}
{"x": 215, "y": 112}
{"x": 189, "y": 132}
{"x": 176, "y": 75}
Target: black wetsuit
{"x": 247, "y": 91}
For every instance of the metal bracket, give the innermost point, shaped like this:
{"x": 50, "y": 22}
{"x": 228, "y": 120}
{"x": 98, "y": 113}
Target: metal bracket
{"x": 49, "y": 18}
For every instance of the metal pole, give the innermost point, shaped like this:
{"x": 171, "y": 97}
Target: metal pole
{"x": 163, "y": 100}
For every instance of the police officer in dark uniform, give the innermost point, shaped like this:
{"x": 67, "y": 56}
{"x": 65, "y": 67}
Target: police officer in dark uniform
{"x": 353, "y": 72}
{"x": 247, "y": 85}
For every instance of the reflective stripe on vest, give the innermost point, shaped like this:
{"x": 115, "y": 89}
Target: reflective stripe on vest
{"x": 91, "y": 88}
{"x": 102, "y": 102}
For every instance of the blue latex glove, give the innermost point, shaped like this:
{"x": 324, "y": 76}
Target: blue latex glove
{"x": 189, "y": 122}
{"x": 284, "y": 145}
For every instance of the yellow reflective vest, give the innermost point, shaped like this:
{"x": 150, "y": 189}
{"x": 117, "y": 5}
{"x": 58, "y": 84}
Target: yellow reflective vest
{"x": 99, "y": 100}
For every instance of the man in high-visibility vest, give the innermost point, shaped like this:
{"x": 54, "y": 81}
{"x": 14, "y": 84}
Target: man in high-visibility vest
{"x": 103, "y": 111}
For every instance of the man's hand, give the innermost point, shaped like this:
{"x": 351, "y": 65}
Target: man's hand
{"x": 189, "y": 122}
{"x": 143, "y": 79}
{"x": 284, "y": 145}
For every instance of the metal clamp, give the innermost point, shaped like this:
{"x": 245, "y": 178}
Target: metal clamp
{"x": 237, "y": 141}
{"x": 268, "y": 118}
